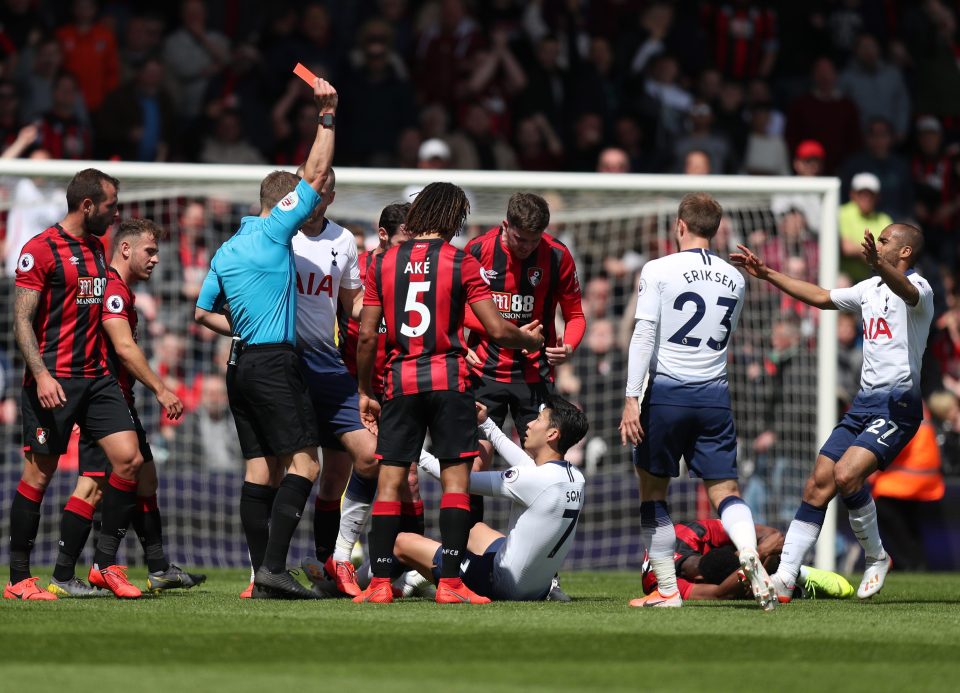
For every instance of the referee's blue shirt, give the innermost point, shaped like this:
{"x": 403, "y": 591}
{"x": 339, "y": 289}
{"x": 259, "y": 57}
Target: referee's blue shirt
{"x": 254, "y": 272}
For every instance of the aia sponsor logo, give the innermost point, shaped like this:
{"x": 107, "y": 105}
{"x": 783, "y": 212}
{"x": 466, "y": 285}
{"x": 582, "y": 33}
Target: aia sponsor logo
{"x": 877, "y": 328}
{"x": 315, "y": 285}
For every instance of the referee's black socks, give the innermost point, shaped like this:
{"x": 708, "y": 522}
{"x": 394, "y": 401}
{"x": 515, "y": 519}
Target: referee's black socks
{"x": 287, "y": 509}
{"x": 256, "y": 504}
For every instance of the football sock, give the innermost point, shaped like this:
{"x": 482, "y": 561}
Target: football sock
{"x": 149, "y": 528}
{"x": 118, "y": 505}
{"x": 660, "y": 539}
{"x": 256, "y": 503}
{"x": 384, "y": 527}
{"x": 354, "y": 511}
{"x": 476, "y": 509}
{"x": 287, "y": 508}
{"x": 738, "y": 522}
{"x": 75, "y": 526}
{"x": 411, "y": 517}
{"x": 863, "y": 521}
{"x": 24, "y": 524}
{"x": 455, "y": 523}
{"x": 801, "y": 536}
{"x": 326, "y": 525}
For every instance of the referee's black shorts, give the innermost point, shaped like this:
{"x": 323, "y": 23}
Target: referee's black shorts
{"x": 270, "y": 402}
{"x": 521, "y": 400}
{"x": 451, "y": 418}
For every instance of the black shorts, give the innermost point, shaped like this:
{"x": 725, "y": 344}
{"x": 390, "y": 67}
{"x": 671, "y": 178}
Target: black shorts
{"x": 451, "y": 418}
{"x": 521, "y": 400}
{"x": 270, "y": 402}
{"x": 95, "y": 404}
{"x": 93, "y": 460}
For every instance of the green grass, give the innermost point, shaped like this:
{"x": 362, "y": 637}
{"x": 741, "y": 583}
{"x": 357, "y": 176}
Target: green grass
{"x": 207, "y": 639}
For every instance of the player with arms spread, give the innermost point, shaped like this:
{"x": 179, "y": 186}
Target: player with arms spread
{"x": 688, "y": 307}
{"x": 547, "y": 496}
{"x": 136, "y": 253}
{"x": 896, "y": 307}
{"x": 61, "y": 278}
{"x": 421, "y": 289}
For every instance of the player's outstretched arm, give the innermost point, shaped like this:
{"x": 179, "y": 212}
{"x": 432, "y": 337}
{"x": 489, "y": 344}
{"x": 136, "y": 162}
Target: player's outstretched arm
{"x": 320, "y": 158}
{"x": 25, "y": 305}
{"x": 529, "y": 337}
{"x": 481, "y": 483}
{"x": 811, "y": 294}
{"x": 133, "y": 359}
{"x": 896, "y": 280}
{"x": 730, "y": 588}
{"x": 514, "y": 455}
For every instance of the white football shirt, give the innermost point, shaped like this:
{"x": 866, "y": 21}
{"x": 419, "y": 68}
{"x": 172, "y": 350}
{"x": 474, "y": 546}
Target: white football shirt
{"x": 894, "y": 339}
{"x": 325, "y": 264}
{"x": 695, "y": 299}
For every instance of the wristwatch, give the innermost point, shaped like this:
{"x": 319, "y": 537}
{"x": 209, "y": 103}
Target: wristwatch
{"x": 327, "y": 120}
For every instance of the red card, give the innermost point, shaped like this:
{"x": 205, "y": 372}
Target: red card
{"x": 304, "y": 74}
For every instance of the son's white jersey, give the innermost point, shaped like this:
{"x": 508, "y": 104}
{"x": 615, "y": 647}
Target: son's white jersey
{"x": 695, "y": 299}
{"x": 325, "y": 264}
{"x": 546, "y": 503}
{"x": 894, "y": 338}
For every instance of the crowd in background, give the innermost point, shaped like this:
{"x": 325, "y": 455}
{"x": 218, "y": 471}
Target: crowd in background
{"x": 867, "y": 90}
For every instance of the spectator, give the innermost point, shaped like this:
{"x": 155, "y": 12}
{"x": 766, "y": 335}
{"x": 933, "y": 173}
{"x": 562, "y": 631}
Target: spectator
{"x": 37, "y": 70}
{"x": 315, "y": 40}
{"x": 142, "y": 40}
{"x": 90, "y": 53}
{"x": 935, "y": 191}
{"x": 807, "y": 161}
{"x": 588, "y": 138}
{"x": 670, "y": 101}
{"x": 877, "y": 88}
{"x": 537, "y": 145}
{"x": 10, "y": 123}
{"x": 889, "y": 167}
{"x": 766, "y": 154}
{"x": 445, "y": 53}
{"x": 434, "y": 153}
{"x": 613, "y": 160}
{"x": 227, "y": 144}
{"x": 22, "y": 23}
{"x": 600, "y": 369}
{"x": 62, "y": 133}
{"x": 656, "y": 21}
{"x": 697, "y": 163}
{"x": 137, "y": 120}
{"x": 476, "y": 146}
{"x": 849, "y": 359}
{"x": 629, "y": 136}
{"x": 945, "y": 415}
{"x": 208, "y": 439}
{"x": 824, "y": 114}
{"x": 857, "y": 215}
{"x": 597, "y": 81}
{"x": 596, "y": 299}
{"x": 743, "y": 37}
{"x": 758, "y": 92}
{"x": 546, "y": 90}
{"x": 495, "y": 79}
{"x": 242, "y": 86}
{"x": 930, "y": 32}
{"x": 35, "y": 204}
{"x": 294, "y": 121}
{"x": 703, "y": 138}
{"x": 908, "y": 495}
{"x": 730, "y": 118}
{"x": 192, "y": 55}
{"x": 370, "y": 132}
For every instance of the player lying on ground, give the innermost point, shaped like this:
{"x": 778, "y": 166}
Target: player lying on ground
{"x": 136, "y": 253}
{"x": 897, "y": 308}
{"x": 688, "y": 307}
{"x": 547, "y": 496}
{"x": 708, "y": 567}
{"x": 61, "y": 277}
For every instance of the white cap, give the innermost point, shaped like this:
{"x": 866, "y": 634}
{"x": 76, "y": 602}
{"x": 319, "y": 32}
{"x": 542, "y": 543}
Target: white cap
{"x": 865, "y": 181}
{"x": 434, "y": 149}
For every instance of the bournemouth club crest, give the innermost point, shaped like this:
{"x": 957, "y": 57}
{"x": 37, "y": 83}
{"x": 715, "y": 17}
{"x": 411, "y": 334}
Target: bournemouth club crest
{"x": 534, "y": 275}
{"x": 42, "y": 436}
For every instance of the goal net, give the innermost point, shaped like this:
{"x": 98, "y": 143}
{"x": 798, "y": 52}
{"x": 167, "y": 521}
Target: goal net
{"x": 782, "y": 358}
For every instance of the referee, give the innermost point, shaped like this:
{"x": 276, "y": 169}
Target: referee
{"x": 254, "y": 276}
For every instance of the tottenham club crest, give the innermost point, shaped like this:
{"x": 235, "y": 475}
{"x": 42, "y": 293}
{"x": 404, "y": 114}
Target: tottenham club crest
{"x": 42, "y": 436}
{"x": 115, "y": 304}
{"x": 534, "y": 275}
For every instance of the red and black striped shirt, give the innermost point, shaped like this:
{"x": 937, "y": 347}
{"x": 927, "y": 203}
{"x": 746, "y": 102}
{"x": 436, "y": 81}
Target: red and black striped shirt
{"x": 352, "y": 332}
{"x": 119, "y": 303}
{"x": 423, "y": 288}
{"x": 524, "y": 291}
{"x": 71, "y": 276}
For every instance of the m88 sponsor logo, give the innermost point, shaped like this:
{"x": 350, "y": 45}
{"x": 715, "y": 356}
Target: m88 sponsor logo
{"x": 513, "y": 306}
{"x": 90, "y": 290}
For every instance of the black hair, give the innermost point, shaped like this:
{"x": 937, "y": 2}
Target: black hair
{"x": 566, "y": 418}
{"x": 717, "y": 565}
{"x": 440, "y": 208}
{"x": 392, "y": 216}
{"x": 88, "y": 183}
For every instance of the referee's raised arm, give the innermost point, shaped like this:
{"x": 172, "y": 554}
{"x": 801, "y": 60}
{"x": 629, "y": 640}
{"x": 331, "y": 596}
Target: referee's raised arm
{"x": 317, "y": 168}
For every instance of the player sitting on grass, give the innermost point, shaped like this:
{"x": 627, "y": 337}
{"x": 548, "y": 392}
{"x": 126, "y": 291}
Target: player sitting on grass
{"x": 547, "y": 495}
{"x": 708, "y": 567}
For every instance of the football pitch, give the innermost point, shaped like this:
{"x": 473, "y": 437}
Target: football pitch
{"x": 207, "y": 639}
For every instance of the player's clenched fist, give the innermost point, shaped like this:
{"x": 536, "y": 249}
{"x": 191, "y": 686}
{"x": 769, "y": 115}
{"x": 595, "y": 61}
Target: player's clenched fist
{"x": 325, "y": 96}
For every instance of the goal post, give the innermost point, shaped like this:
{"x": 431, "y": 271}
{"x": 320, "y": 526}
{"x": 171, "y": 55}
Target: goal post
{"x": 612, "y": 224}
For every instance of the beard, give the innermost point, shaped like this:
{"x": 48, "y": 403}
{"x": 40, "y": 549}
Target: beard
{"x": 99, "y": 225}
